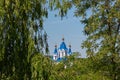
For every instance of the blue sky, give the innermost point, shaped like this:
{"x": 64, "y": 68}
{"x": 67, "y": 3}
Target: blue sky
{"x": 69, "y": 27}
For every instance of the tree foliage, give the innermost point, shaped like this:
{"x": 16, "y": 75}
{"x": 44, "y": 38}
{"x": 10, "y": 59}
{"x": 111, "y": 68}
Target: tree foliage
{"x": 21, "y": 35}
{"x": 102, "y": 25}
{"x": 23, "y": 38}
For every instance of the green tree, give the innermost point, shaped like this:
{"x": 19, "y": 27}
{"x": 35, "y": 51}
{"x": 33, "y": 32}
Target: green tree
{"x": 76, "y": 69}
{"x": 21, "y": 35}
{"x": 102, "y": 25}
{"x": 42, "y": 67}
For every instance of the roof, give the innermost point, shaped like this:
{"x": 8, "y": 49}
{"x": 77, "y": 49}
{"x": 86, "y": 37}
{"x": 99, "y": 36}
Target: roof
{"x": 63, "y": 46}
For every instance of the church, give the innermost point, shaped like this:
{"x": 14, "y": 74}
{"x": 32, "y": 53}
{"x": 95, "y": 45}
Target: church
{"x": 62, "y": 51}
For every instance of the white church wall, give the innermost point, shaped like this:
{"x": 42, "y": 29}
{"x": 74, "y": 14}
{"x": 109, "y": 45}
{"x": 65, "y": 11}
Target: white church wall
{"x": 63, "y": 52}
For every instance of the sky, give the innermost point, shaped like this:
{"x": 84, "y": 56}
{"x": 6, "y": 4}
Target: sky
{"x": 69, "y": 27}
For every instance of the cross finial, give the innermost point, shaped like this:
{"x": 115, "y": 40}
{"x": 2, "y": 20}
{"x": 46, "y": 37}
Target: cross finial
{"x": 63, "y": 39}
{"x": 69, "y": 46}
{"x": 55, "y": 45}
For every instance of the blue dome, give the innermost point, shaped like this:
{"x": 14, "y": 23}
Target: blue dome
{"x": 69, "y": 51}
{"x": 63, "y": 46}
{"x": 55, "y": 51}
